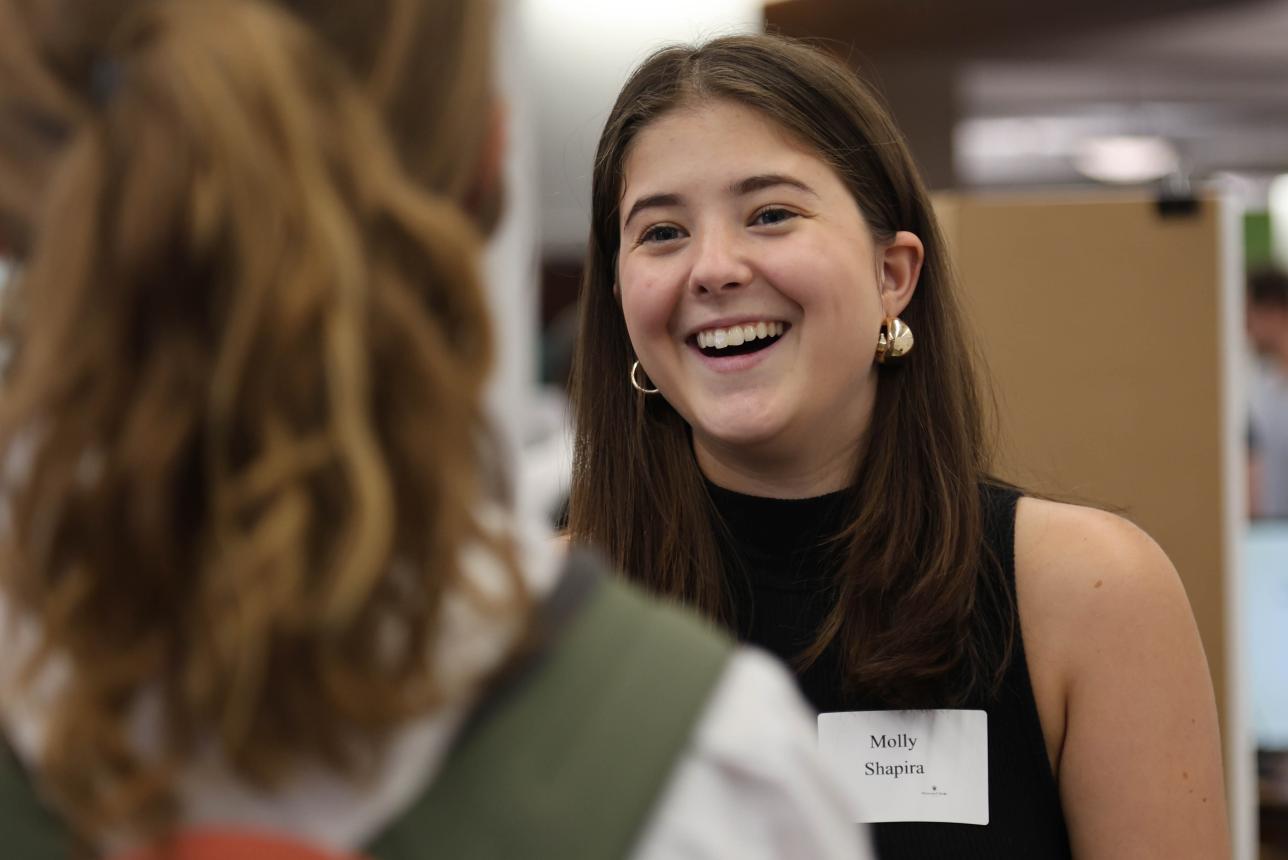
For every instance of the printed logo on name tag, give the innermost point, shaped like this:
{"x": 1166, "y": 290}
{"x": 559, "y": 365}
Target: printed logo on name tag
{"x": 909, "y": 765}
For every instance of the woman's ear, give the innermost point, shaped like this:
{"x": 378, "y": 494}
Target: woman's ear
{"x": 901, "y": 260}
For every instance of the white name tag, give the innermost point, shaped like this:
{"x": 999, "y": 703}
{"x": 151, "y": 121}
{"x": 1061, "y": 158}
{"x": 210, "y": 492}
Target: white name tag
{"x": 909, "y": 765}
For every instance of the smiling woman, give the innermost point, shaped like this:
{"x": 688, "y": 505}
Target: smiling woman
{"x": 763, "y": 251}
{"x": 790, "y": 408}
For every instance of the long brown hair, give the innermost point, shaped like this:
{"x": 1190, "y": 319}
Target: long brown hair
{"x": 909, "y": 581}
{"x": 241, "y": 429}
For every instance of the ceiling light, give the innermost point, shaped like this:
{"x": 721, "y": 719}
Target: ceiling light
{"x": 1126, "y": 159}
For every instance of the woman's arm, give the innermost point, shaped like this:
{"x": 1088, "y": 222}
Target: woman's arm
{"x": 1122, "y": 686}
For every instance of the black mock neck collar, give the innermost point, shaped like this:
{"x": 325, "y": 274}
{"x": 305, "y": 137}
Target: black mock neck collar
{"x": 779, "y": 525}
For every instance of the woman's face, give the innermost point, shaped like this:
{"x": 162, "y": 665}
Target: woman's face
{"x": 753, "y": 294}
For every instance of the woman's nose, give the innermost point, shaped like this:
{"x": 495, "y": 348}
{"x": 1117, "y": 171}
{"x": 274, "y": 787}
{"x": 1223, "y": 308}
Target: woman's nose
{"x": 719, "y": 264}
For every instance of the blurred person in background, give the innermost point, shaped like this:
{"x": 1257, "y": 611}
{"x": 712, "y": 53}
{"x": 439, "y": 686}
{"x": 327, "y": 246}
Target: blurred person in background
{"x": 757, "y": 437}
{"x": 261, "y": 592}
{"x": 1267, "y": 325}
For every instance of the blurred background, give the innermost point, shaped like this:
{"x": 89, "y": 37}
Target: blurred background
{"x": 1108, "y": 175}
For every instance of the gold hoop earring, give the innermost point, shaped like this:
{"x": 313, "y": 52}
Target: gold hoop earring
{"x": 895, "y": 340}
{"x": 635, "y": 382}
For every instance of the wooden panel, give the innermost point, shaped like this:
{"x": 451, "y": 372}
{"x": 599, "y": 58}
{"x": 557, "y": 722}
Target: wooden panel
{"x": 980, "y": 27}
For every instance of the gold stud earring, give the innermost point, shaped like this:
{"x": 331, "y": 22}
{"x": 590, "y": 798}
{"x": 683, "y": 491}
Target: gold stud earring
{"x": 895, "y": 340}
{"x": 635, "y": 382}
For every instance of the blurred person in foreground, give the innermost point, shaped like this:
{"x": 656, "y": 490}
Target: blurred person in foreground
{"x": 1267, "y": 325}
{"x": 261, "y": 592}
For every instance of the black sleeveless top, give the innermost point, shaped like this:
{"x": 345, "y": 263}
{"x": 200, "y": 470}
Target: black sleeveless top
{"x": 781, "y": 575}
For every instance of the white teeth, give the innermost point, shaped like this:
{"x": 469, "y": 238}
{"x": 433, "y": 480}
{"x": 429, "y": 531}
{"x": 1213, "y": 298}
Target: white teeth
{"x": 719, "y": 338}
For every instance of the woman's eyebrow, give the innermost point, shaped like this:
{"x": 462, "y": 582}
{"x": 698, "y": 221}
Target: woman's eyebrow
{"x": 652, "y": 201}
{"x": 768, "y": 180}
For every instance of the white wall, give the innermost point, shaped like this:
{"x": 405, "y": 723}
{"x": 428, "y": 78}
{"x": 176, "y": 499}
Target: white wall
{"x": 581, "y": 52}
{"x": 512, "y": 262}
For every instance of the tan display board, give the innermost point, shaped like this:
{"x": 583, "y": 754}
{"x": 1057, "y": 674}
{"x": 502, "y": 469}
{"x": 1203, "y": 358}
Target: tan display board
{"x": 1105, "y": 324}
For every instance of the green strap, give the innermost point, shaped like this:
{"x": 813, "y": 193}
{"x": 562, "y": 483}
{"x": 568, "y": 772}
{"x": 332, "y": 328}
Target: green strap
{"x": 27, "y": 828}
{"x": 571, "y": 764}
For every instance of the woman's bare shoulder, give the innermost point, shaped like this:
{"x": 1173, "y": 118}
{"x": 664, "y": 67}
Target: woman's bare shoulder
{"x": 1074, "y": 560}
{"x": 1089, "y": 584}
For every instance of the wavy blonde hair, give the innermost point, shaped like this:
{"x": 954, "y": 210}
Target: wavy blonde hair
{"x": 249, "y": 345}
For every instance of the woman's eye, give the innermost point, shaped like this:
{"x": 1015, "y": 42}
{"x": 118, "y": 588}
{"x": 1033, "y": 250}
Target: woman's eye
{"x": 772, "y": 215}
{"x": 660, "y": 233}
